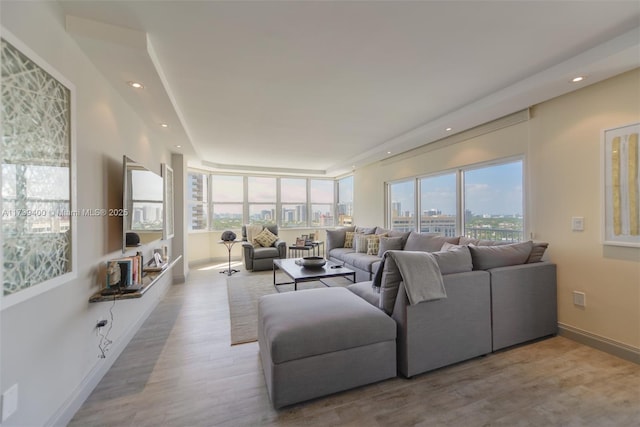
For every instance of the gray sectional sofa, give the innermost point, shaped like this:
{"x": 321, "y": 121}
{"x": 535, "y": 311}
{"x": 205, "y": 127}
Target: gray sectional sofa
{"x": 497, "y": 296}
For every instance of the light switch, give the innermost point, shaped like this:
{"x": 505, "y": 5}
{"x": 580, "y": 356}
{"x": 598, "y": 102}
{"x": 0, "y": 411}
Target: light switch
{"x": 577, "y": 223}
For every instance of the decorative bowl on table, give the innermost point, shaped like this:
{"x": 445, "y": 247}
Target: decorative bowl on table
{"x": 312, "y": 262}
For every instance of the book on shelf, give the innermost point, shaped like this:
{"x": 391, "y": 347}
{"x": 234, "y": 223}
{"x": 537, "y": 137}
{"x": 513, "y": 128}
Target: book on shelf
{"x": 130, "y": 269}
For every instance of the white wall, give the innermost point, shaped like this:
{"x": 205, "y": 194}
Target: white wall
{"x": 49, "y": 344}
{"x": 561, "y": 145}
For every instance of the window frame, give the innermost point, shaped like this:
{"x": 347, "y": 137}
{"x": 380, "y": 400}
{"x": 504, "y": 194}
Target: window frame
{"x": 278, "y": 203}
{"x": 460, "y": 193}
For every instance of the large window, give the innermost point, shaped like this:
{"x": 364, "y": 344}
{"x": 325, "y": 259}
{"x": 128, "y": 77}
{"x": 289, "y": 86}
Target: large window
{"x": 438, "y": 204}
{"x": 197, "y": 201}
{"x": 491, "y": 197}
{"x": 262, "y": 200}
{"x": 493, "y": 202}
{"x": 226, "y": 202}
{"x": 345, "y": 201}
{"x": 293, "y": 195}
{"x": 322, "y": 202}
{"x": 402, "y": 205}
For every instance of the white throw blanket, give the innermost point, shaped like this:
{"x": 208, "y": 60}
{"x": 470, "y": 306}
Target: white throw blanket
{"x": 420, "y": 273}
{"x": 252, "y": 231}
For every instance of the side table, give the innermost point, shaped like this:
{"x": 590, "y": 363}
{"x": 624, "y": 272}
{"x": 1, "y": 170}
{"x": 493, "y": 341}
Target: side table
{"x": 229, "y": 244}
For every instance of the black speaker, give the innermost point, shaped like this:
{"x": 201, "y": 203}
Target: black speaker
{"x": 132, "y": 239}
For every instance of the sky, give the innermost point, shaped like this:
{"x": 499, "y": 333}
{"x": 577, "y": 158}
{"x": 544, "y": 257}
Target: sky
{"x": 494, "y": 190}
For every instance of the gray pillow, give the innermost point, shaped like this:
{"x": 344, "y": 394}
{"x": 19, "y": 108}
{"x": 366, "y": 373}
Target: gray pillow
{"x": 404, "y": 235}
{"x": 537, "y": 252}
{"x": 390, "y": 244}
{"x": 486, "y": 257}
{"x": 389, "y": 284}
{"x": 426, "y": 242}
{"x": 478, "y": 242}
{"x": 365, "y": 230}
{"x": 335, "y": 238}
{"x": 454, "y": 260}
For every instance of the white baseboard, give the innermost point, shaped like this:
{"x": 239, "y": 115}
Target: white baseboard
{"x": 65, "y": 413}
{"x": 607, "y": 345}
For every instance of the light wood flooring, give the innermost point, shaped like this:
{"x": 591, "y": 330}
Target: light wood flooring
{"x": 179, "y": 370}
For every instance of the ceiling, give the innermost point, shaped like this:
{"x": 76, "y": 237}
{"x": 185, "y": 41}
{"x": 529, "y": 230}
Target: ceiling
{"x": 321, "y": 87}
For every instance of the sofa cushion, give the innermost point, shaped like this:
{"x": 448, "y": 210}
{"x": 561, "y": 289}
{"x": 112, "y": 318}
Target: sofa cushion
{"x": 479, "y": 242}
{"x": 537, "y": 252}
{"x": 361, "y": 261}
{"x": 265, "y": 238}
{"x": 336, "y": 238}
{"x": 486, "y": 257}
{"x": 270, "y": 252}
{"x": 390, "y": 279}
{"x": 348, "y": 239}
{"x": 427, "y": 242}
{"x": 373, "y": 244}
{"x": 365, "y": 230}
{"x": 340, "y": 253}
{"x": 360, "y": 243}
{"x": 454, "y": 260}
{"x": 389, "y": 244}
{"x": 403, "y": 235}
{"x": 365, "y": 291}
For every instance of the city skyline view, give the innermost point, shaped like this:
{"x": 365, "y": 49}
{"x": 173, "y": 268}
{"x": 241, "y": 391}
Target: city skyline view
{"x": 492, "y": 191}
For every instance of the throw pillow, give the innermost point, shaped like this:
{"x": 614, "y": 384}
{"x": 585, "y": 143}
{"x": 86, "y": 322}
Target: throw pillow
{"x": 348, "y": 239}
{"x": 426, "y": 242}
{"x": 373, "y": 243}
{"x": 486, "y": 257}
{"x": 537, "y": 252}
{"x": 454, "y": 260}
{"x": 365, "y": 230}
{"x": 446, "y": 246}
{"x": 266, "y": 238}
{"x": 335, "y": 238}
{"x": 360, "y": 243}
{"x": 389, "y": 244}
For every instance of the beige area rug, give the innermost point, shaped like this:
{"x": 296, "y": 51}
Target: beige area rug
{"x": 244, "y": 292}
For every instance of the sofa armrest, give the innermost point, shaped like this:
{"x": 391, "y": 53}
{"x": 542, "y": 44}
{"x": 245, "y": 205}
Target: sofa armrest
{"x": 524, "y": 303}
{"x": 335, "y": 239}
{"x": 282, "y": 248}
{"x": 247, "y": 251}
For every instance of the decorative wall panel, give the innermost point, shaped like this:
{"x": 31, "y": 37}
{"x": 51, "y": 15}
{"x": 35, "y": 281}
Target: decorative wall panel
{"x": 36, "y": 173}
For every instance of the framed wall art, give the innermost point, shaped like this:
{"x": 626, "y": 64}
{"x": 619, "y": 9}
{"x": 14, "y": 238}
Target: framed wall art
{"x": 621, "y": 185}
{"x": 38, "y": 174}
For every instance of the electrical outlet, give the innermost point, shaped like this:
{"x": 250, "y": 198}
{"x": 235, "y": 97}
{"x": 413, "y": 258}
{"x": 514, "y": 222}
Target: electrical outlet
{"x": 579, "y": 299}
{"x": 9, "y": 402}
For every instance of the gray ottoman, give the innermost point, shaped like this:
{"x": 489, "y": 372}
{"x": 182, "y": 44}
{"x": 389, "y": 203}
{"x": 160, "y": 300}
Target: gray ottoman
{"x": 321, "y": 341}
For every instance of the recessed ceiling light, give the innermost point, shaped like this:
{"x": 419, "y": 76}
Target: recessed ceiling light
{"x": 164, "y": 125}
{"x": 577, "y": 79}
{"x": 178, "y": 146}
{"x": 136, "y": 85}
{"x": 449, "y": 129}
{"x": 388, "y": 152}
